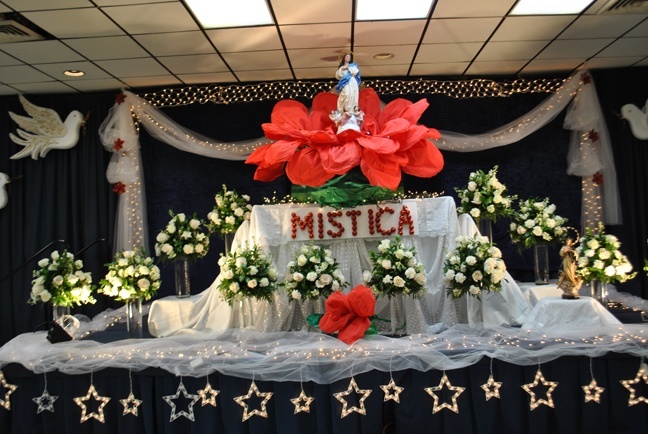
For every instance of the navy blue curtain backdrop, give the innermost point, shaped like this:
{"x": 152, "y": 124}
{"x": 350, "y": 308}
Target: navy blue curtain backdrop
{"x": 65, "y": 196}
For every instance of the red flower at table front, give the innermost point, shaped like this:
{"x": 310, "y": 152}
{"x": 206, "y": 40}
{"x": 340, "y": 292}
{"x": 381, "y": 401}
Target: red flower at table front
{"x": 119, "y": 188}
{"x": 311, "y": 153}
{"x": 349, "y": 314}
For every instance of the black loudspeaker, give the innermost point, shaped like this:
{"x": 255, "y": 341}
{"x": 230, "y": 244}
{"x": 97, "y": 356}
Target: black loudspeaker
{"x": 55, "y": 332}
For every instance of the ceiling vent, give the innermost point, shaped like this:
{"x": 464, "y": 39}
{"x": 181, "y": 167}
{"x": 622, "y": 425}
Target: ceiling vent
{"x": 14, "y": 28}
{"x": 625, "y": 7}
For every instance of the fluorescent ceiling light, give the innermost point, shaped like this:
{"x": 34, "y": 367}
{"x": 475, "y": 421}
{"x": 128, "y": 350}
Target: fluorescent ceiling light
{"x": 367, "y": 10}
{"x": 550, "y": 7}
{"x": 237, "y": 13}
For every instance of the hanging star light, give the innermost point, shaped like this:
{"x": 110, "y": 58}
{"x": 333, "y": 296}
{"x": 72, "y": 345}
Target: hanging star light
{"x": 642, "y": 375}
{"x": 208, "y": 395}
{"x": 131, "y": 403}
{"x": 392, "y": 391}
{"x": 45, "y": 401}
{"x": 491, "y": 388}
{"x": 80, "y": 401}
{"x": 6, "y": 403}
{"x": 592, "y": 390}
{"x": 528, "y": 388}
{"x": 263, "y": 412}
{"x": 353, "y": 388}
{"x": 302, "y": 402}
{"x": 189, "y": 414}
{"x": 443, "y": 383}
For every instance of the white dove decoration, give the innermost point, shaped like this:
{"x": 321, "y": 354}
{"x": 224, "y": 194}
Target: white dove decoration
{"x": 4, "y": 180}
{"x": 44, "y": 130}
{"x": 637, "y": 118}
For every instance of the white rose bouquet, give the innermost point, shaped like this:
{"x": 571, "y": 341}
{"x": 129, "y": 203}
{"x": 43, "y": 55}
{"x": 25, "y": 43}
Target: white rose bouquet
{"x": 474, "y": 266}
{"x": 535, "y": 222}
{"x": 182, "y": 237}
{"x": 313, "y": 273}
{"x": 484, "y": 196}
{"x": 395, "y": 270}
{"x": 599, "y": 258}
{"x": 247, "y": 273}
{"x": 230, "y": 212}
{"x": 132, "y": 275}
{"x": 61, "y": 281}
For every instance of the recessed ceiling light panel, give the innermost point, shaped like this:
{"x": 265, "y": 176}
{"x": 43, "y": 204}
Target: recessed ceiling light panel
{"x": 550, "y": 7}
{"x": 73, "y": 73}
{"x": 370, "y": 10}
{"x": 238, "y": 13}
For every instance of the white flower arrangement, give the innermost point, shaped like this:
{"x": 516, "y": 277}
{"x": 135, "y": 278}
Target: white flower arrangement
{"x": 230, "y": 212}
{"x": 484, "y": 196}
{"x": 312, "y": 274}
{"x": 247, "y": 272}
{"x": 61, "y": 281}
{"x": 131, "y": 276}
{"x": 182, "y": 238}
{"x": 535, "y": 222}
{"x": 395, "y": 270}
{"x": 474, "y": 266}
{"x": 599, "y": 258}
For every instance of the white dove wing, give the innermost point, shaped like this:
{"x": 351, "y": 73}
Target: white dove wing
{"x": 43, "y": 121}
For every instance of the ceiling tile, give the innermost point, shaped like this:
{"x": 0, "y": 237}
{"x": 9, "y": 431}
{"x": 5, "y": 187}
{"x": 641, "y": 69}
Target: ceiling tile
{"x": 95, "y": 85}
{"x": 194, "y": 64}
{"x": 539, "y": 66}
{"x": 611, "y": 62}
{"x": 175, "y": 44}
{"x": 55, "y": 70}
{"x": 6, "y": 90}
{"x": 132, "y": 67}
{"x": 640, "y": 31}
{"x": 40, "y": 5}
{"x": 626, "y": 47}
{"x": 643, "y": 62}
{"x": 388, "y": 33}
{"x": 472, "y": 8}
{"x": 110, "y": 47}
{"x": 460, "y": 30}
{"x": 245, "y": 39}
{"x": 600, "y": 26}
{"x": 7, "y": 60}
{"x": 574, "y": 49}
{"x": 503, "y": 67}
{"x": 531, "y": 28}
{"x": 270, "y": 74}
{"x": 329, "y": 11}
{"x": 207, "y": 78}
{"x": 41, "y": 52}
{"x": 384, "y": 70}
{"x": 152, "y": 81}
{"x": 41, "y": 88}
{"x": 336, "y": 35}
{"x": 125, "y": 2}
{"x": 256, "y": 60}
{"x": 314, "y": 73}
{"x": 73, "y": 23}
{"x": 403, "y": 54}
{"x": 4, "y": 8}
{"x": 163, "y": 18}
{"x": 447, "y": 53}
{"x": 523, "y": 50}
{"x": 21, "y": 74}
{"x": 315, "y": 58}
{"x": 447, "y": 69}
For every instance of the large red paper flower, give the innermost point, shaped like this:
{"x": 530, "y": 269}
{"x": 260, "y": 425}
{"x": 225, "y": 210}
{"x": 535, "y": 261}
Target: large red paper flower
{"x": 349, "y": 314}
{"x": 308, "y": 149}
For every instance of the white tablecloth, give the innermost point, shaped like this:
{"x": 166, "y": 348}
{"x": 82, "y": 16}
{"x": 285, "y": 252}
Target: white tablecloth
{"x": 553, "y": 312}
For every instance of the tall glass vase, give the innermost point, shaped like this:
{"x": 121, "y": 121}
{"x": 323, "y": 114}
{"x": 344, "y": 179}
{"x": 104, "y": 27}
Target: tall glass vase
{"x": 228, "y": 238}
{"x": 182, "y": 281}
{"x": 59, "y": 311}
{"x": 486, "y": 228}
{"x": 134, "y": 318}
{"x": 600, "y": 292}
{"x": 541, "y": 263}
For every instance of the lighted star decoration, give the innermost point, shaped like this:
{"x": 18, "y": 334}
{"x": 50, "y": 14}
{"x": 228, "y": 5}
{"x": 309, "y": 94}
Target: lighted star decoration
{"x": 302, "y": 402}
{"x": 535, "y": 401}
{"x": 130, "y": 404}
{"x": 10, "y": 388}
{"x": 189, "y": 413}
{"x": 353, "y": 388}
{"x": 80, "y": 401}
{"x": 263, "y": 412}
{"x": 443, "y": 384}
{"x": 392, "y": 391}
{"x": 491, "y": 388}
{"x": 208, "y": 395}
{"x": 593, "y": 392}
{"x": 45, "y": 401}
{"x": 642, "y": 375}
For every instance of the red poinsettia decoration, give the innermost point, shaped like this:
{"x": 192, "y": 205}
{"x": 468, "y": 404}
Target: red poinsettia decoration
{"x": 308, "y": 149}
{"x": 349, "y": 314}
{"x": 118, "y": 145}
{"x": 119, "y": 188}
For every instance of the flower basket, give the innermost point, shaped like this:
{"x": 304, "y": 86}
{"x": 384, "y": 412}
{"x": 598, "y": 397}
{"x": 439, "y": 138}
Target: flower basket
{"x": 230, "y": 211}
{"x": 247, "y": 273}
{"x": 182, "y": 238}
{"x": 484, "y": 197}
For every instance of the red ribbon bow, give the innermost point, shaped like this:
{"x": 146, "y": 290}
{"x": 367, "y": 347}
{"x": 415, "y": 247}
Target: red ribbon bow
{"x": 349, "y": 314}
